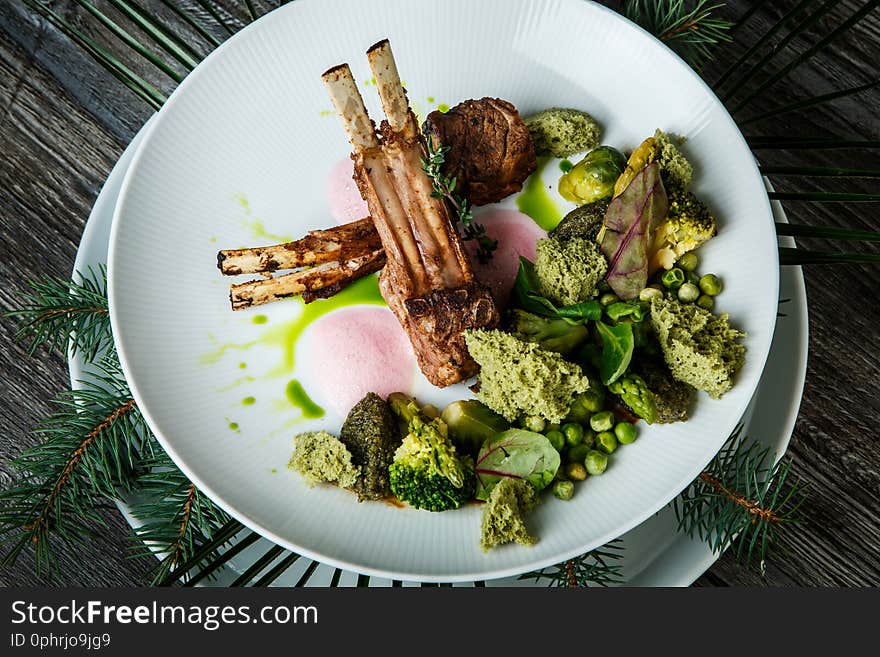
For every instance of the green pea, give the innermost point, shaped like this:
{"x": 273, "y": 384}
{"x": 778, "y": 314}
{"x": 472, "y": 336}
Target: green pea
{"x": 626, "y": 432}
{"x": 693, "y": 278}
{"x": 574, "y": 433}
{"x": 577, "y": 454}
{"x": 596, "y": 462}
{"x": 608, "y": 298}
{"x": 673, "y": 279}
{"x": 589, "y": 437}
{"x": 576, "y": 471}
{"x": 557, "y": 439}
{"x": 688, "y": 262}
{"x": 710, "y": 284}
{"x": 650, "y": 293}
{"x": 553, "y": 426}
{"x": 706, "y": 302}
{"x": 602, "y": 421}
{"x": 606, "y": 441}
{"x": 564, "y": 490}
{"x": 688, "y": 293}
{"x": 535, "y": 423}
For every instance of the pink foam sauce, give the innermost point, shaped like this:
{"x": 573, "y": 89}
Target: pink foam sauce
{"x": 354, "y": 351}
{"x": 516, "y": 234}
{"x": 346, "y": 204}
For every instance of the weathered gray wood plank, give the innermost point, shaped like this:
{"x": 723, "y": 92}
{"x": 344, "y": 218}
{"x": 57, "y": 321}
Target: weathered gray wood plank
{"x": 64, "y": 121}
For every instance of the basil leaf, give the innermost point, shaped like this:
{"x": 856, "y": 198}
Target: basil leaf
{"x": 624, "y": 309}
{"x": 525, "y": 291}
{"x": 587, "y": 310}
{"x": 519, "y": 454}
{"x": 526, "y": 295}
{"x": 617, "y": 350}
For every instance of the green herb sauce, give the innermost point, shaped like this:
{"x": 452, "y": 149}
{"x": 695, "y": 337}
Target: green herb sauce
{"x": 565, "y": 166}
{"x": 259, "y": 319}
{"x": 298, "y": 397}
{"x": 536, "y": 202}
{"x": 248, "y": 401}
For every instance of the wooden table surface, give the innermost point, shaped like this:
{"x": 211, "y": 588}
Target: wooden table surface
{"x": 64, "y": 121}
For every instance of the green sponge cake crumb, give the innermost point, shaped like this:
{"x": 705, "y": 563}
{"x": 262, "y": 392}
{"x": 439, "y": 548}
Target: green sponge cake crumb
{"x": 673, "y": 164}
{"x": 520, "y": 379}
{"x": 699, "y": 348}
{"x": 562, "y": 132}
{"x": 569, "y": 270}
{"x": 503, "y": 514}
{"x": 319, "y": 456}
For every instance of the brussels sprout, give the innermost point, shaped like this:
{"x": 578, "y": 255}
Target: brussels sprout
{"x": 592, "y": 179}
{"x": 470, "y": 423}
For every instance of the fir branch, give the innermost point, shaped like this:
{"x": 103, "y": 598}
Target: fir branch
{"x": 179, "y": 517}
{"x": 59, "y": 313}
{"x": 444, "y": 187}
{"x": 691, "y": 29}
{"x": 742, "y": 498}
{"x": 90, "y": 451}
{"x": 594, "y": 568}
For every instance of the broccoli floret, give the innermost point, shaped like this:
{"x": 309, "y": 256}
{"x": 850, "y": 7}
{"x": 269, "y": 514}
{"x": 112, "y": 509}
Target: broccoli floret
{"x": 672, "y": 398}
{"x": 519, "y": 379}
{"x": 502, "y": 520}
{"x": 322, "y": 457}
{"x": 585, "y": 222}
{"x": 699, "y": 348}
{"x": 633, "y": 392}
{"x": 371, "y": 434}
{"x": 562, "y": 132}
{"x": 568, "y": 271}
{"x": 688, "y": 224}
{"x": 556, "y": 335}
{"x": 427, "y": 473}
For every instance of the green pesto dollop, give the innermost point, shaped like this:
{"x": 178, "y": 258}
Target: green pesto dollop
{"x": 700, "y": 348}
{"x": 562, "y": 132}
{"x": 322, "y": 457}
{"x": 569, "y": 270}
{"x": 503, "y": 516}
{"x": 520, "y": 379}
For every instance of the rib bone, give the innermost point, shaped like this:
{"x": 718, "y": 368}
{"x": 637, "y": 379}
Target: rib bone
{"x": 427, "y": 281}
{"x": 339, "y": 244}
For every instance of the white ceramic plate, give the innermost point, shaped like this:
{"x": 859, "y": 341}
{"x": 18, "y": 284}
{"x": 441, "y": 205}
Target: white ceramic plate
{"x": 239, "y": 156}
{"x": 654, "y": 554}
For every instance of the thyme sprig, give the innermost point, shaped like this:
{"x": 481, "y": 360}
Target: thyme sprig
{"x": 444, "y": 187}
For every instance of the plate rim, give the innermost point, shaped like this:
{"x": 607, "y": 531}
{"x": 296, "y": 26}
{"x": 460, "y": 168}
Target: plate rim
{"x": 229, "y": 506}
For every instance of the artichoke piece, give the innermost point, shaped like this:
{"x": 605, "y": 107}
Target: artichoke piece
{"x": 471, "y": 423}
{"x": 644, "y": 155}
{"x": 584, "y": 222}
{"x": 593, "y": 178}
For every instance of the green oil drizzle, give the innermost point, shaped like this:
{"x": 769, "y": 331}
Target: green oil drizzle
{"x": 443, "y": 107}
{"x": 239, "y": 381}
{"x": 536, "y": 202}
{"x": 298, "y": 397}
{"x": 258, "y": 231}
{"x": 248, "y": 401}
{"x": 242, "y": 366}
{"x": 565, "y": 166}
{"x": 430, "y": 99}
{"x": 233, "y": 426}
{"x": 362, "y": 292}
{"x": 273, "y": 470}
{"x": 259, "y": 319}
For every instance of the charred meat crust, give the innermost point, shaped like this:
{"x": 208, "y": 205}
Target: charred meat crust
{"x": 491, "y": 151}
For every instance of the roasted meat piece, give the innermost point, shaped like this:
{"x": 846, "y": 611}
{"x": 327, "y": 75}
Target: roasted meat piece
{"x": 427, "y": 280}
{"x": 491, "y": 151}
